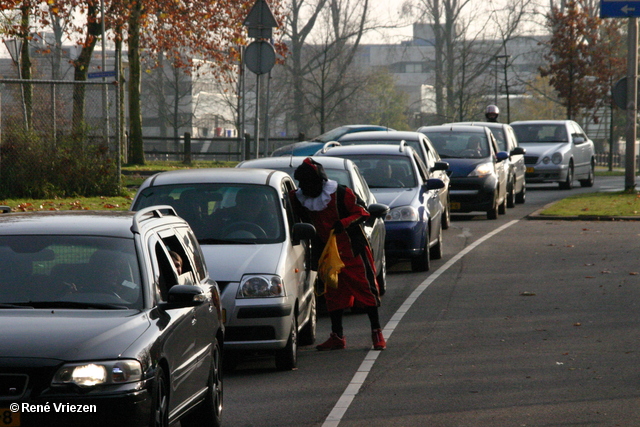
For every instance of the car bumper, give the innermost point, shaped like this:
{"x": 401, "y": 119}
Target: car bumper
{"x": 546, "y": 173}
{"x": 255, "y": 323}
{"x": 404, "y": 239}
{"x": 132, "y": 408}
{"x": 472, "y": 194}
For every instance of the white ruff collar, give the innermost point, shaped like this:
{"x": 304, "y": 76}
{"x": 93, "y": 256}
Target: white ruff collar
{"x": 320, "y": 202}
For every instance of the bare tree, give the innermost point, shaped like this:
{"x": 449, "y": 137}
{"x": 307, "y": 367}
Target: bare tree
{"x": 466, "y": 44}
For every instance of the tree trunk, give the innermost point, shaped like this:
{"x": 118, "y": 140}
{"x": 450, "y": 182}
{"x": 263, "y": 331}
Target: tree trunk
{"x": 135, "y": 81}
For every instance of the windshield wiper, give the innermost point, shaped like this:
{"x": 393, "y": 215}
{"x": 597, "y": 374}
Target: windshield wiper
{"x": 75, "y": 304}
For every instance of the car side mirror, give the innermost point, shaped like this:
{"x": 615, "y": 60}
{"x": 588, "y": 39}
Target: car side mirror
{"x": 433, "y": 184}
{"x": 502, "y": 156}
{"x": 518, "y": 150}
{"x": 578, "y": 140}
{"x": 440, "y": 166}
{"x": 378, "y": 210}
{"x": 182, "y": 296}
{"x": 302, "y": 231}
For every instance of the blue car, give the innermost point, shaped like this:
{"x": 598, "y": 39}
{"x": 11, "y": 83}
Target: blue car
{"x": 478, "y": 170}
{"x": 398, "y": 178}
{"x": 309, "y": 148}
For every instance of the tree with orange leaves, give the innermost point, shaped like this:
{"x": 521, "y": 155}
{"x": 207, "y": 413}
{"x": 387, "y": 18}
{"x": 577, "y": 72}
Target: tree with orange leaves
{"x": 184, "y": 30}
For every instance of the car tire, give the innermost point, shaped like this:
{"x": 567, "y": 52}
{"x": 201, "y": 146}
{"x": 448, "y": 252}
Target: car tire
{"x": 493, "y": 212}
{"x": 160, "y": 400}
{"x": 522, "y": 195}
{"x": 381, "y": 278}
{"x": 422, "y": 262}
{"x": 567, "y": 184}
{"x": 436, "y": 251}
{"x": 209, "y": 412}
{"x": 307, "y": 334}
{"x": 287, "y": 357}
{"x": 446, "y": 217}
{"x": 591, "y": 178}
{"x": 511, "y": 195}
{"x": 502, "y": 207}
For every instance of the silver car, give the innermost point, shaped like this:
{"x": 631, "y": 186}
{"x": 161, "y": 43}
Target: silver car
{"x": 255, "y": 248}
{"x": 344, "y": 172}
{"x": 557, "y": 151}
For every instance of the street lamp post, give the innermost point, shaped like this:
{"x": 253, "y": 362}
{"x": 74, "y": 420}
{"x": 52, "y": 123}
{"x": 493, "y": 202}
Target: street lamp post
{"x": 506, "y": 82}
{"x": 14, "y": 46}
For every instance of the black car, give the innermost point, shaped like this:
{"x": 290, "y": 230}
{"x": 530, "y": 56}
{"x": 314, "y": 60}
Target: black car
{"x": 507, "y": 141}
{"x": 477, "y": 167}
{"x": 108, "y": 319}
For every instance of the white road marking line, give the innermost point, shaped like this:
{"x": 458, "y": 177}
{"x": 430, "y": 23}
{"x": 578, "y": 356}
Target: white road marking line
{"x": 340, "y": 408}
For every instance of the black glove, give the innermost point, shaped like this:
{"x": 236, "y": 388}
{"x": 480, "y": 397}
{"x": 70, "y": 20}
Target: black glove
{"x": 338, "y": 227}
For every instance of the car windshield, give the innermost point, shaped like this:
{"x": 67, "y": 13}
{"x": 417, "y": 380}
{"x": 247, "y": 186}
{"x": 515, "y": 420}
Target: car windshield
{"x": 460, "y": 145}
{"x": 551, "y": 133}
{"x": 69, "y": 272}
{"x": 386, "y": 171}
{"x": 223, "y": 213}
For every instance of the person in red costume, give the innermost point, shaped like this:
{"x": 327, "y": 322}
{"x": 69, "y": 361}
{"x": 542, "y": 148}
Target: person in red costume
{"x": 330, "y": 206}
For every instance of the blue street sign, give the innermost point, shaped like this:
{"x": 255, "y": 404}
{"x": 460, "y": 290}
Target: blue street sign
{"x": 101, "y": 74}
{"x": 619, "y": 9}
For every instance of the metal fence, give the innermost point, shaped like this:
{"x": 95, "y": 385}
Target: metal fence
{"x": 216, "y": 148}
{"x": 57, "y": 137}
{"x": 614, "y": 160}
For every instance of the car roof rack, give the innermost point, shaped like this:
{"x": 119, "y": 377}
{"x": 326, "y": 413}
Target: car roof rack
{"x": 328, "y": 145}
{"x": 403, "y": 143}
{"x": 151, "y": 212}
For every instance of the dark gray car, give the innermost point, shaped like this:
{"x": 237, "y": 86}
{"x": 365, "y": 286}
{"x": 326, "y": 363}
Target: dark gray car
{"x": 507, "y": 141}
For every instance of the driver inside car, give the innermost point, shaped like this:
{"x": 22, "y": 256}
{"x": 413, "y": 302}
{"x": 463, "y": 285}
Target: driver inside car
{"x": 252, "y": 216}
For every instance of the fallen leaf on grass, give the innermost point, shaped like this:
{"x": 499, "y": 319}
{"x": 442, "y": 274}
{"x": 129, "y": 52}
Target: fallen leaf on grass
{"x": 527, "y": 294}
{"x": 577, "y": 324}
{"x": 633, "y": 273}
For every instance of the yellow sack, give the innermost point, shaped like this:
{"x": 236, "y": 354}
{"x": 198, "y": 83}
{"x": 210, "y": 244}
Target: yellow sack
{"x": 330, "y": 263}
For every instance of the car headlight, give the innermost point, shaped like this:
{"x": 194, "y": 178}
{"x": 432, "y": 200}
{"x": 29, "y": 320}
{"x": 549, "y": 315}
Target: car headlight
{"x": 483, "y": 169}
{"x": 261, "y": 286}
{"x": 556, "y": 159}
{"x": 97, "y": 373}
{"x": 403, "y": 213}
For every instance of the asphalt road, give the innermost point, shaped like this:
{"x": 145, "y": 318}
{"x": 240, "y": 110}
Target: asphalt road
{"x": 522, "y": 323}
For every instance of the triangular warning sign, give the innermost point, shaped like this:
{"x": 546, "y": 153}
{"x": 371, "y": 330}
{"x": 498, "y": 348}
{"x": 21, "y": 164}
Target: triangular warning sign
{"x": 260, "y": 16}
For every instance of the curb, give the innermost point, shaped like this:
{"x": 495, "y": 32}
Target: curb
{"x": 537, "y": 216}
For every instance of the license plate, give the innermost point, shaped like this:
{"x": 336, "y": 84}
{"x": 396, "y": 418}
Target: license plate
{"x": 530, "y": 170}
{"x": 455, "y": 206}
{"x": 8, "y": 418}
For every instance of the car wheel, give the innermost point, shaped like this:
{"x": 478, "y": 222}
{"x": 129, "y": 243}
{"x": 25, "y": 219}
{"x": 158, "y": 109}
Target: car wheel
{"x": 436, "y": 250}
{"x": 422, "y": 261}
{"x": 381, "y": 278}
{"x": 446, "y": 218}
{"x": 308, "y": 332}
{"x": 567, "y": 184}
{"x": 493, "y": 212}
{"x": 511, "y": 195}
{"x": 502, "y": 207}
{"x": 287, "y": 358}
{"x": 209, "y": 412}
{"x": 160, "y": 400}
{"x": 590, "y": 179}
{"x": 522, "y": 195}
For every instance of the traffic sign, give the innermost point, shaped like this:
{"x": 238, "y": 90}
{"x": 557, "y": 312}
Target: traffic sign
{"x": 260, "y": 57}
{"x": 101, "y": 74}
{"x": 619, "y": 9}
{"x": 260, "y": 20}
